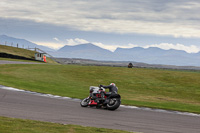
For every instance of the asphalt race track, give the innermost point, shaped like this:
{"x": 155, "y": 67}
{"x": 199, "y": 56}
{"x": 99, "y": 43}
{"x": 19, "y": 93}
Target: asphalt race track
{"x": 68, "y": 111}
{"x": 17, "y": 62}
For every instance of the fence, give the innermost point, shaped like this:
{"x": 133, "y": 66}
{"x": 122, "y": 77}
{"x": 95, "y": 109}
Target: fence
{"x": 17, "y": 45}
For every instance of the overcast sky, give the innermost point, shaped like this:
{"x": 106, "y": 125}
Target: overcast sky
{"x": 106, "y": 23}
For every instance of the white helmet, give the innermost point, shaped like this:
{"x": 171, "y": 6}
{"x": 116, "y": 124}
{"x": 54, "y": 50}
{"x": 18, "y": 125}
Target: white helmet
{"x": 113, "y": 84}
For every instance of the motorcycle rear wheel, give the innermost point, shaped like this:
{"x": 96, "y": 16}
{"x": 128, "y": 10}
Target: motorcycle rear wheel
{"x": 113, "y": 104}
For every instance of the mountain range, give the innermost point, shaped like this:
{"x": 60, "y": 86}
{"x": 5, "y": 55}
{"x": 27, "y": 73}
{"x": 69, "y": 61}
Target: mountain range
{"x": 152, "y": 55}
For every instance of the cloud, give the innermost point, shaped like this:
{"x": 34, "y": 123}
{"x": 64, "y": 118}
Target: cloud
{"x": 76, "y": 41}
{"x": 167, "y": 46}
{"x": 50, "y": 45}
{"x": 175, "y": 18}
{"x": 56, "y": 39}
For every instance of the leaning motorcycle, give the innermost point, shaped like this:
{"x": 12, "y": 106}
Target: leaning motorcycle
{"x": 98, "y": 96}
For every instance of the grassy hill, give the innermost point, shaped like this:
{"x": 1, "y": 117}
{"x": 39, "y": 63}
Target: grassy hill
{"x": 28, "y": 54}
{"x": 17, "y": 51}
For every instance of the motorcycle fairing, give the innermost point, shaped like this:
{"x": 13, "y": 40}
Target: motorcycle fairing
{"x": 92, "y": 102}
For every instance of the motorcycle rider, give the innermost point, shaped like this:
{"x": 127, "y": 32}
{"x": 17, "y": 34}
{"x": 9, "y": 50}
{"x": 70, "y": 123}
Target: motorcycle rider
{"x": 112, "y": 90}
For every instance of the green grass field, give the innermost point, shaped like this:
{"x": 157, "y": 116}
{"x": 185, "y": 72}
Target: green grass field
{"x": 155, "y": 88}
{"x": 11, "y": 125}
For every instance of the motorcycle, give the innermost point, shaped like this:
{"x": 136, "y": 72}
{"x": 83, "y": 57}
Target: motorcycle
{"x": 101, "y": 99}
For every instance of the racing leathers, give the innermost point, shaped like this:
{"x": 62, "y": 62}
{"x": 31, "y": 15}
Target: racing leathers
{"x": 112, "y": 90}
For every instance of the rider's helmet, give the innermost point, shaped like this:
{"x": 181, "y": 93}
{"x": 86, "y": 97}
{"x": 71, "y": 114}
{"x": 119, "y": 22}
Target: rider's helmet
{"x": 113, "y": 84}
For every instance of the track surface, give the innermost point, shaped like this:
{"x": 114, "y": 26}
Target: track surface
{"x": 29, "y": 106}
{"x": 17, "y": 62}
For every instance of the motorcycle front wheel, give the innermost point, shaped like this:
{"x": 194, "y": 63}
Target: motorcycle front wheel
{"x": 113, "y": 104}
{"x": 84, "y": 102}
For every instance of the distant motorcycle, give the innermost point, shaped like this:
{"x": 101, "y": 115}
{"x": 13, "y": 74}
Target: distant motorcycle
{"x": 98, "y": 96}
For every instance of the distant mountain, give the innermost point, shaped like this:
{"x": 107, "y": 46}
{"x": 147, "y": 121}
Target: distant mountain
{"x": 154, "y": 55}
{"x": 83, "y": 48}
{"x": 87, "y": 51}
{"x": 22, "y": 43}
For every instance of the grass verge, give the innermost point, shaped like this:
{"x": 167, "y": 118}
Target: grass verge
{"x": 155, "y": 88}
{"x": 13, "y": 125}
